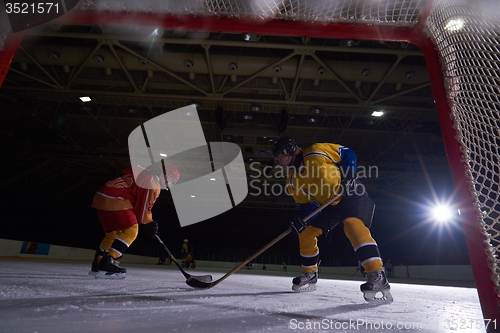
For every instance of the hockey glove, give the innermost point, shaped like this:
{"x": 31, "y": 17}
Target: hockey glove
{"x": 151, "y": 229}
{"x": 298, "y": 225}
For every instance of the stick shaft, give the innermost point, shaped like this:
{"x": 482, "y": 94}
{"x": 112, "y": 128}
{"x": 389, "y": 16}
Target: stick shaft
{"x": 186, "y": 275}
{"x": 274, "y": 241}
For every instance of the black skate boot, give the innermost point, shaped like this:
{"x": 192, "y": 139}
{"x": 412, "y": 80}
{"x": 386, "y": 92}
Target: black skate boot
{"x": 305, "y": 281}
{"x": 95, "y": 264}
{"x": 377, "y": 283}
{"x": 110, "y": 269}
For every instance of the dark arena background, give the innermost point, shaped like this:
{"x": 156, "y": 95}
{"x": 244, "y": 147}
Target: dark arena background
{"x": 388, "y": 80}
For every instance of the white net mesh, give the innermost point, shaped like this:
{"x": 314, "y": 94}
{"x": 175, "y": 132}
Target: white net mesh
{"x": 467, "y": 36}
{"x": 373, "y": 12}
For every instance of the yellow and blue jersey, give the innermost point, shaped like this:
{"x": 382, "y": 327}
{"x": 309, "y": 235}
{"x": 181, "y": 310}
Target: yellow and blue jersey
{"x": 320, "y": 180}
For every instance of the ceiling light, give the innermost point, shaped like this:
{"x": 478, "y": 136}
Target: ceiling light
{"x": 346, "y": 43}
{"x": 193, "y": 196}
{"x": 233, "y": 66}
{"x": 377, "y": 113}
{"x": 311, "y": 120}
{"x": 98, "y": 59}
{"x": 316, "y": 110}
{"x": 85, "y": 99}
{"x": 163, "y": 155}
{"x": 250, "y": 37}
{"x": 256, "y": 108}
{"x": 247, "y": 117}
{"x": 54, "y": 55}
{"x": 212, "y": 179}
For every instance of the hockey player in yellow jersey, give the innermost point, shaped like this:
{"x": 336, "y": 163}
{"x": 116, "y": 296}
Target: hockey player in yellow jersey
{"x": 184, "y": 252}
{"x": 315, "y": 175}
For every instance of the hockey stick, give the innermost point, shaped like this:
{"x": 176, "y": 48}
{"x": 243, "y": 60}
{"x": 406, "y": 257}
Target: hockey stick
{"x": 189, "y": 277}
{"x": 200, "y": 284}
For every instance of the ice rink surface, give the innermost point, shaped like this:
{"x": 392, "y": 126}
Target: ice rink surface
{"x": 59, "y": 296}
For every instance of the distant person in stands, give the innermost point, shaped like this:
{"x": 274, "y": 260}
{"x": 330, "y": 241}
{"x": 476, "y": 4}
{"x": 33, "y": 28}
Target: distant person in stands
{"x": 184, "y": 252}
{"x": 284, "y": 266}
{"x": 121, "y": 204}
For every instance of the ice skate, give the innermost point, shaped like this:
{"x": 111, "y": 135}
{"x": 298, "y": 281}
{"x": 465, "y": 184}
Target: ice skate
{"x": 110, "y": 269}
{"x": 377, "y": 283}
{"x": 305, "y": 282}
{"x": 94, "y": 268}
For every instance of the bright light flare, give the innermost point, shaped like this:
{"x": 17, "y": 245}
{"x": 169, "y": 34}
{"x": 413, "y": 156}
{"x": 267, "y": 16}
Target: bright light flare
{"x": 442, "y": 213}
{"x": 455, "y": 24}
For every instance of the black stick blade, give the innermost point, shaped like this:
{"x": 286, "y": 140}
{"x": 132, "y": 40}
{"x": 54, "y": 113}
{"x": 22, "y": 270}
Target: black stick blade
{"x": 195, "y": 283}
{"x": 202, "y": 278}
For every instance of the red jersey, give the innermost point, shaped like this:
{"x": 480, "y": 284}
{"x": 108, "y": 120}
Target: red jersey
{"x": 126, "y": 192}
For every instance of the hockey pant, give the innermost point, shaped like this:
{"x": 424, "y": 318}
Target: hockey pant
{"x": 361, "y": 240}
{"x": 120, "y": 229}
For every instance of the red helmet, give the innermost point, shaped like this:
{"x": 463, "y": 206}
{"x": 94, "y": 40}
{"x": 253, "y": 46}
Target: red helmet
{"x": 172, "y": 174}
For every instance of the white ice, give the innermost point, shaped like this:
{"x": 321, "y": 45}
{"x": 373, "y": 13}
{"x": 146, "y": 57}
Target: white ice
{"x": 60, "y": 296}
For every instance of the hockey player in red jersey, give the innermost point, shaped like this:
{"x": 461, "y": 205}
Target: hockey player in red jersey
{"x": 317, "y": 174}
{"x": 121, "y": 204}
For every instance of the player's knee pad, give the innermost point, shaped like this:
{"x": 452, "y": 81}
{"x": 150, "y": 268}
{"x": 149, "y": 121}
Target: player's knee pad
{"x": 308, "y": 241}
{"x": 123, "y": 240}
{"x": 357, "y": 232}
{"x": 130, "y": 234}
{"x": 109, "y": 238}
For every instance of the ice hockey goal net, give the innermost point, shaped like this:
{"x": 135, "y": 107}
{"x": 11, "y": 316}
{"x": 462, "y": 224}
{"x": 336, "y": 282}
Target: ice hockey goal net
{"x": 460, "y": 40}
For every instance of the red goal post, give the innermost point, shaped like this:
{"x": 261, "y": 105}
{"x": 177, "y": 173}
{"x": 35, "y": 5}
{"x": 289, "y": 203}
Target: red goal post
{"x": 463, "y": 67}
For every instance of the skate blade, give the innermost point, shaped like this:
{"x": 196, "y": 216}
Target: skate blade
{"x": 371, "y": 296}
{"x": 304, "y": 288}
{"x": 92, "y": 273}
{"x": 108, "y": 275}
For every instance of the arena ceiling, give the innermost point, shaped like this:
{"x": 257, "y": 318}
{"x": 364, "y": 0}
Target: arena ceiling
{"x": 249, "y": 89}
